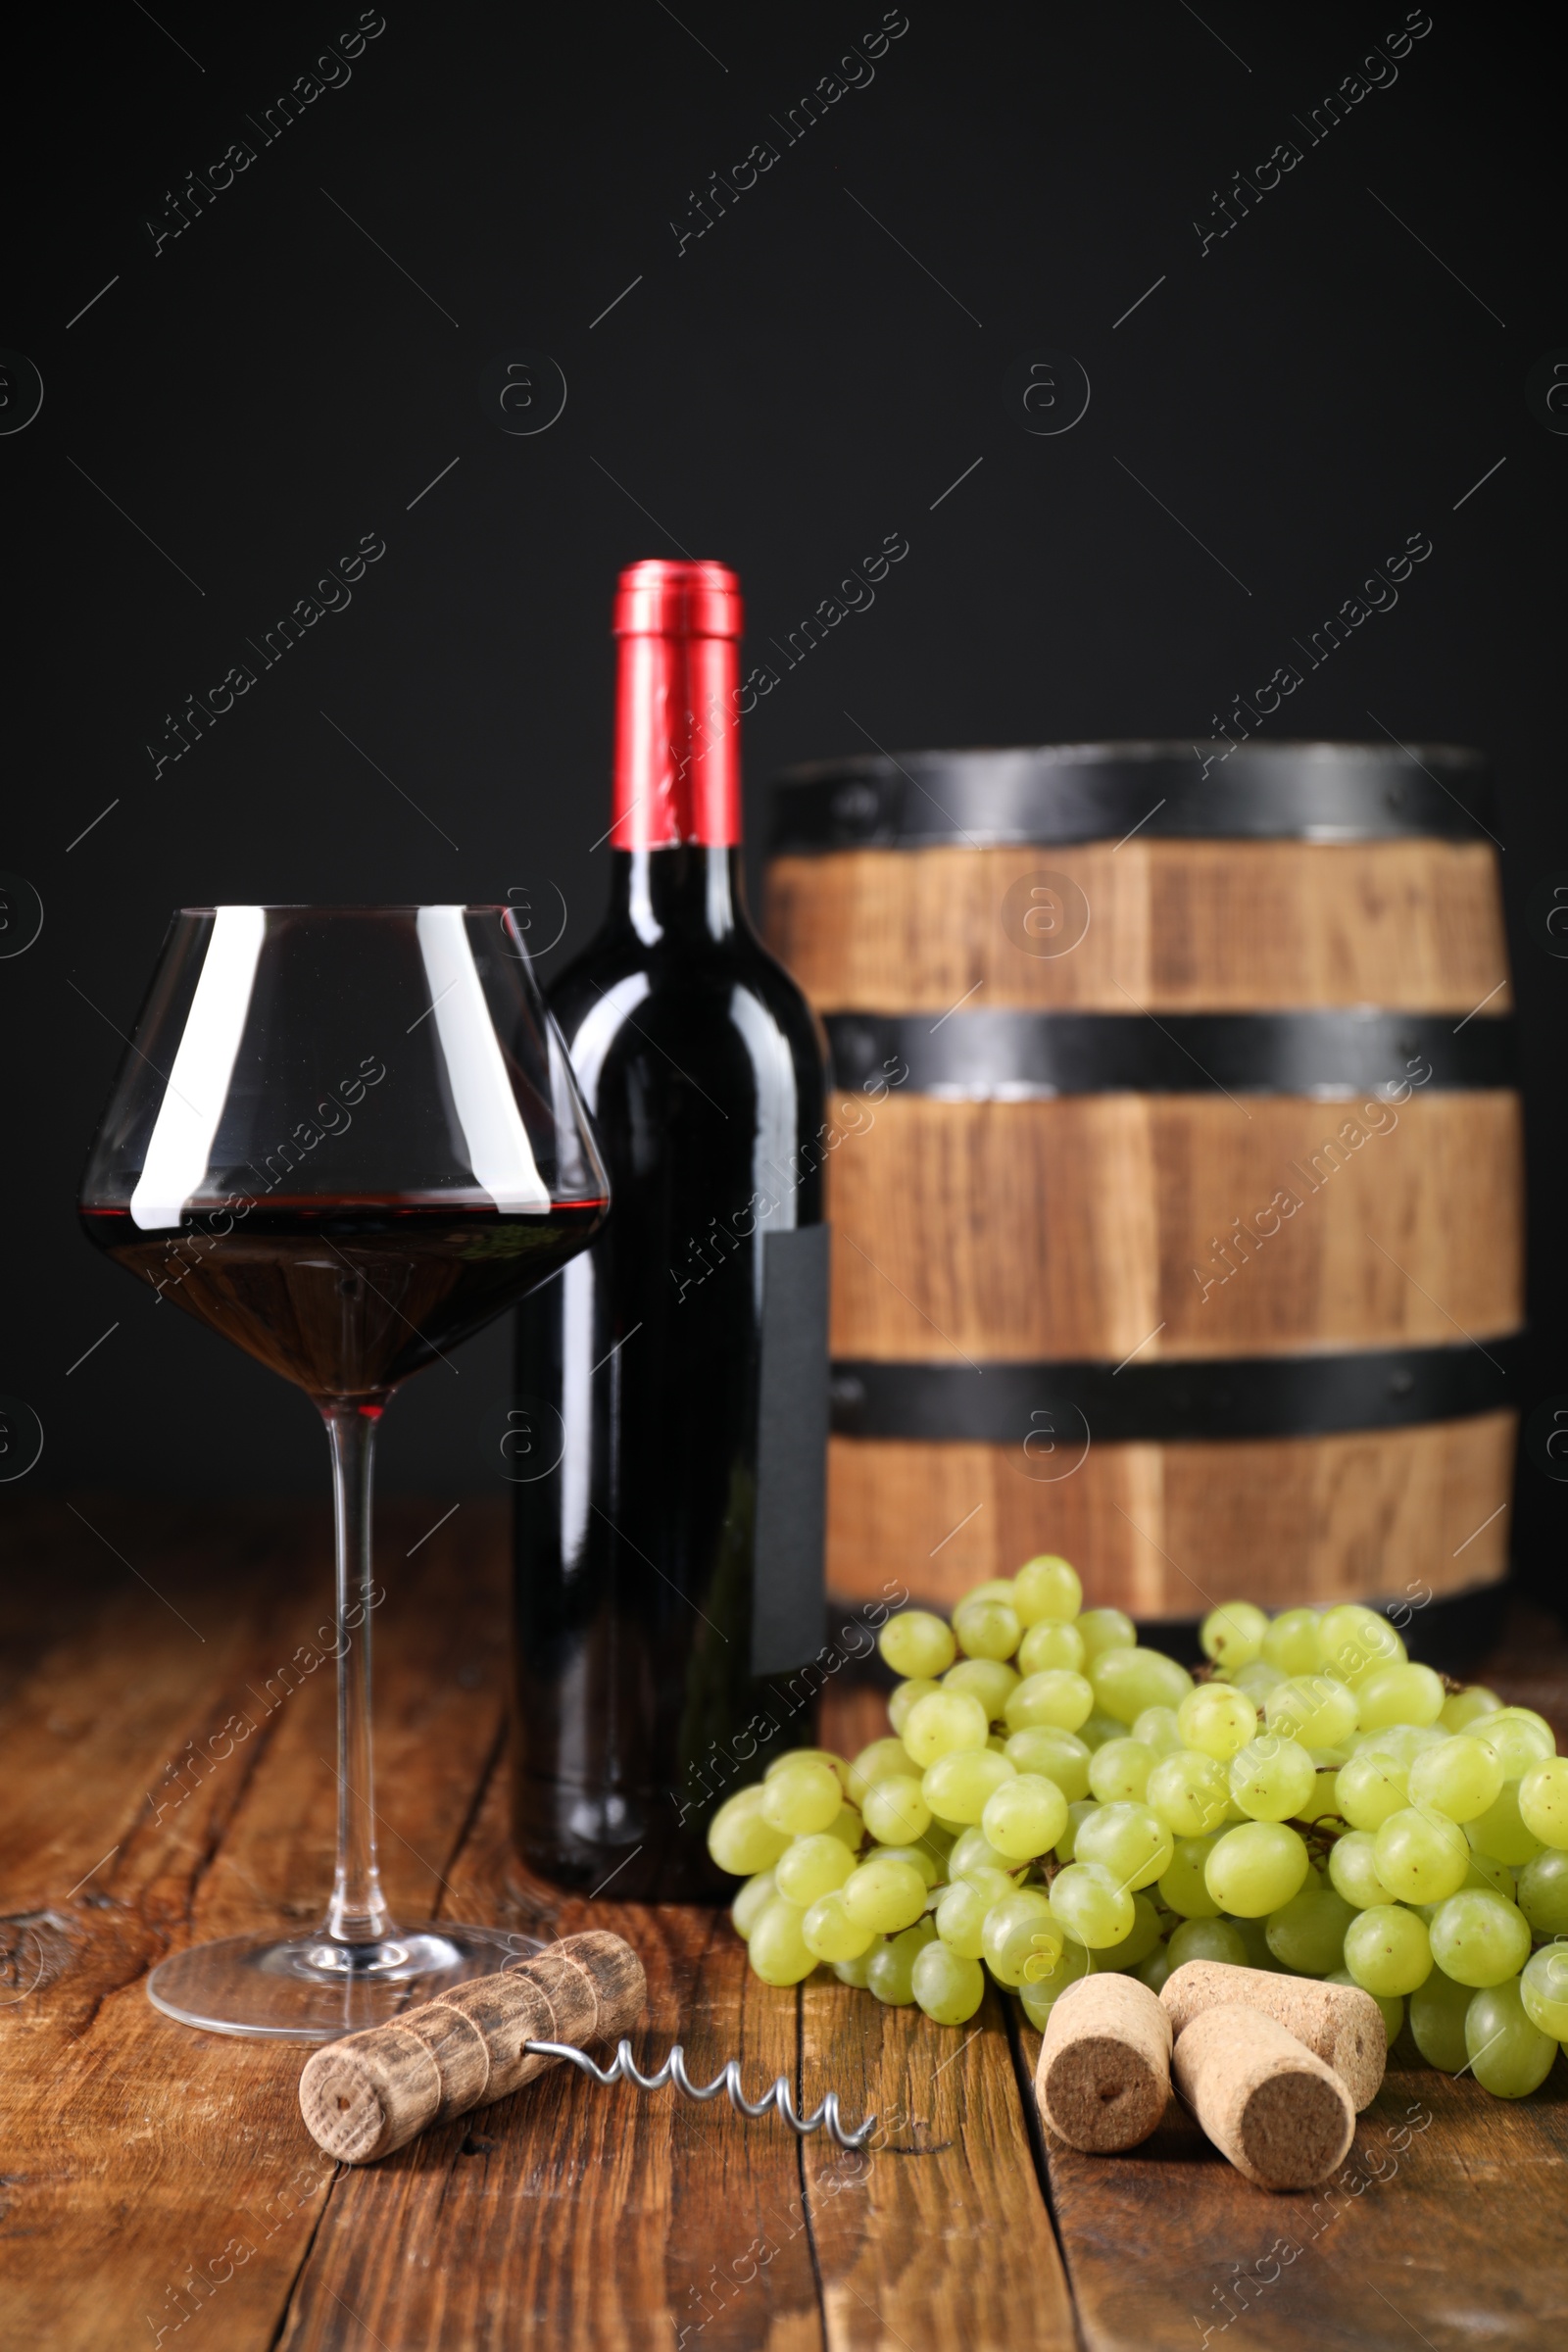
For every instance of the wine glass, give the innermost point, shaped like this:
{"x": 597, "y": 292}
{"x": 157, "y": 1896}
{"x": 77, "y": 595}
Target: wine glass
{"x": 346, "y": 1138}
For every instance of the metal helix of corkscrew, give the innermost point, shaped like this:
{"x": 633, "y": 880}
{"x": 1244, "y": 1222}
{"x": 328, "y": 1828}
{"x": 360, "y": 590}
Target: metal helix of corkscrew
{"x": 625, "y": 2070}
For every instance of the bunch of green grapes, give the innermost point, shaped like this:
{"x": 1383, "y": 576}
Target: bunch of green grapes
{"x": 1055, "y": 1798}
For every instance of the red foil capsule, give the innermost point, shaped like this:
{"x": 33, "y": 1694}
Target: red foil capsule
{"x": 677, "y": 715}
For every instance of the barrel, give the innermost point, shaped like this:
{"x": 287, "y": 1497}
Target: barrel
{"x": 1175, "y": 1168}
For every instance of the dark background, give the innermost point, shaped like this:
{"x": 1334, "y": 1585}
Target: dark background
{"x": 807, "y": 378}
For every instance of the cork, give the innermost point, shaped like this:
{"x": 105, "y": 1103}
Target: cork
{"x": 1277, "y": 2110}
{"x": 1103, "y": 2077}
{"x": 1339, "y": 2023}
{"x": 374, "y": 2091}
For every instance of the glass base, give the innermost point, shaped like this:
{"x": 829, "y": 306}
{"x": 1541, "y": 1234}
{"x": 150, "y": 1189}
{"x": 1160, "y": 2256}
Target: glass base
{"x": 317, "y": 1988}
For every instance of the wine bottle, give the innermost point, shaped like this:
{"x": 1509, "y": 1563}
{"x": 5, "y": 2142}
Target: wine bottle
{"x": 669, "y": 1561}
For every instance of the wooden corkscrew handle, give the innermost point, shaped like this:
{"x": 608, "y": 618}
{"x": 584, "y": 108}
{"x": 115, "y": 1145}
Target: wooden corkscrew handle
{"x": 374, "y": 2091}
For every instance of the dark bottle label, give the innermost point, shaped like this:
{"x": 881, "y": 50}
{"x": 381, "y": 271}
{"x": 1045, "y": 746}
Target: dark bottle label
{"x": 788, "y": 1599}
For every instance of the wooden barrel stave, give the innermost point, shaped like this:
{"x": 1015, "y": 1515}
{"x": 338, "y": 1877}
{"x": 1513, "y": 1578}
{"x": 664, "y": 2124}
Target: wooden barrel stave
{"x": 1166, "y": 1529}
{"x": 1240, "y": 926}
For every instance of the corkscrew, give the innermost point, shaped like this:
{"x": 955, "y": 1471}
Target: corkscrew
{"x": 824, "y": 2117}
{"x": 374, "y": 2091}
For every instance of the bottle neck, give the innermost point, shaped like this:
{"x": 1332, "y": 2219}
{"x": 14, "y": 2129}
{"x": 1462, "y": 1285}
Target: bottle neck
{"x": 689, "y": 891}
{"x": 677, "y": 742}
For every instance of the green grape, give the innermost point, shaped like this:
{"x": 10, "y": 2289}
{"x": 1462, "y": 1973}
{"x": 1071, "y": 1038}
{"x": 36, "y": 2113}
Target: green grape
{"x": 1025, "y": 1816}
{"x": 1272, "y": 1777}
{"x": 1477, "y": 1939}
{"x": 1462, "y": 1709}
{"x": 1079, "y": 1810}
{"x": 1129, "y": 1842}
{"x": 853, "y": 1972}
{"x": 986, "y": 1678}
{"x": 1520, "y": 1737}
{"x": 945, "y": 1723}
{"x": 1544, "y": 1800}
{"x": 1096, "y": 1729}
{"x": 1306, "y": 1934}
{"x": 1509, "y": 2055}
{"x": 1387, "y": 1949}
{"x": 1158, "y": 1729}
{"x": 802, "y": 1795}
{"x": 740, "y": 1838}
{"x": 1315, "y": 1709}
{"x": 918, "y": 1857}
{"x": 757, "y": 1891}
{"x": 778, "y": 1950}
{"x": 1544, "y": 1892}
{"x": 1401, "y": 1742}
{"x": 812, "y": 1866}
{"x": 1046, "y": 1978}
{"x": 1421, "y": 1856}
{"x": 1126, "y": 1681}
{"x": 906, "y": 1695}
{"x": 1050, "y": 1644}
{"x": 1292, "y": 1642}
{"x": 1153, "y": 1971}
{"x": 848, "y": 1827}
{"x": 1233, "y": 1633}
{"x": 1047, "y": 1590}
{"x": 962, "y": 1913}
{"x": 1500, "y": 1831}
{"x": 1054, "y": 1699}
{"x": 986, "y": 1628}
{"x": 1484, "y": 1872}
{"x": 1258, "y": 1680}
{"x": 1459, "y": 1776}
{"x": 1190, "y": 1791}
{"x": 1369, "y": 1787}
{"x": 917, "y": 1642}
{"x": 896, "y": 1811}
{"x": 1358, "y": 1641}
{"x": 877, "y": 1762}
{"x": 1060, "y": 1756}
{"x": 995, "y": 1588}
{"x": 1391, "y": 2006}
{"x": 884, "y": 1894}
{"x": 1184, "y": 1889}
{"x": 1254, "y": 1933}
{"x": 972, "y": 1849}
{"x": 828, "y": 1930}
{"x": 950, "y": 1989}
{"x": 1119, "y": 1770}
{"x": 956, "y": 1786}
{"x": 1438, "y": 2011}
{"x": 1020, "y": 1933}
{"x": 1255, "y": 1868}
{"x": 890, "y": 1971}
{"x": 1353, "y": 1871}
{"x": 1543, "y": 1989}
{"x": 1139, "y": 1942}
{"x": 1402, "y": 1695}
{"x": 1106, "y": 1629}
{"x": 808, "y": 1755}
{"x": 1216, "y": 1720}
{"x": 1208, "y": 1939}
{"x": 1089, "y": 1903}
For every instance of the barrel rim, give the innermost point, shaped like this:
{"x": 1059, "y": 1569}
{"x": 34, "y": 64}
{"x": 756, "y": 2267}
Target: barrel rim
{"x": 1110, "y": 750}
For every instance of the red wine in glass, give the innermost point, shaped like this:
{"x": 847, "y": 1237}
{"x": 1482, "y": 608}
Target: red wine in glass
{"x": 345, "y": 1139}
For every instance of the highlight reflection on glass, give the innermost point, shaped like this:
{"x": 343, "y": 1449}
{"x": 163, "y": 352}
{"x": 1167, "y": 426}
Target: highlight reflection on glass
{"x": 345, "y": 1138}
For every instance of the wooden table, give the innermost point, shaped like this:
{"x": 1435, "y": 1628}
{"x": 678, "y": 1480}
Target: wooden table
{"x": 156, "y": 2187}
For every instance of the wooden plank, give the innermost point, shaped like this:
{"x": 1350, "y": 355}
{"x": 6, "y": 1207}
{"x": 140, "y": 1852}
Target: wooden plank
{"x": 158, "y": 2176}
{"x": 1444, "y": 2224}
{"x": 578, "y": 2215}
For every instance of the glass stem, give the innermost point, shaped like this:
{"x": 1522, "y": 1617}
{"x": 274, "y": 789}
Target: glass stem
{"x": 358, "y": 1912}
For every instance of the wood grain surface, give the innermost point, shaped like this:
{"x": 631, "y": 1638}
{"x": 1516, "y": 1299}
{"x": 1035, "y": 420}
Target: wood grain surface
{"x": 156, "y": 2187}
{"x": 1174, "y": 926}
